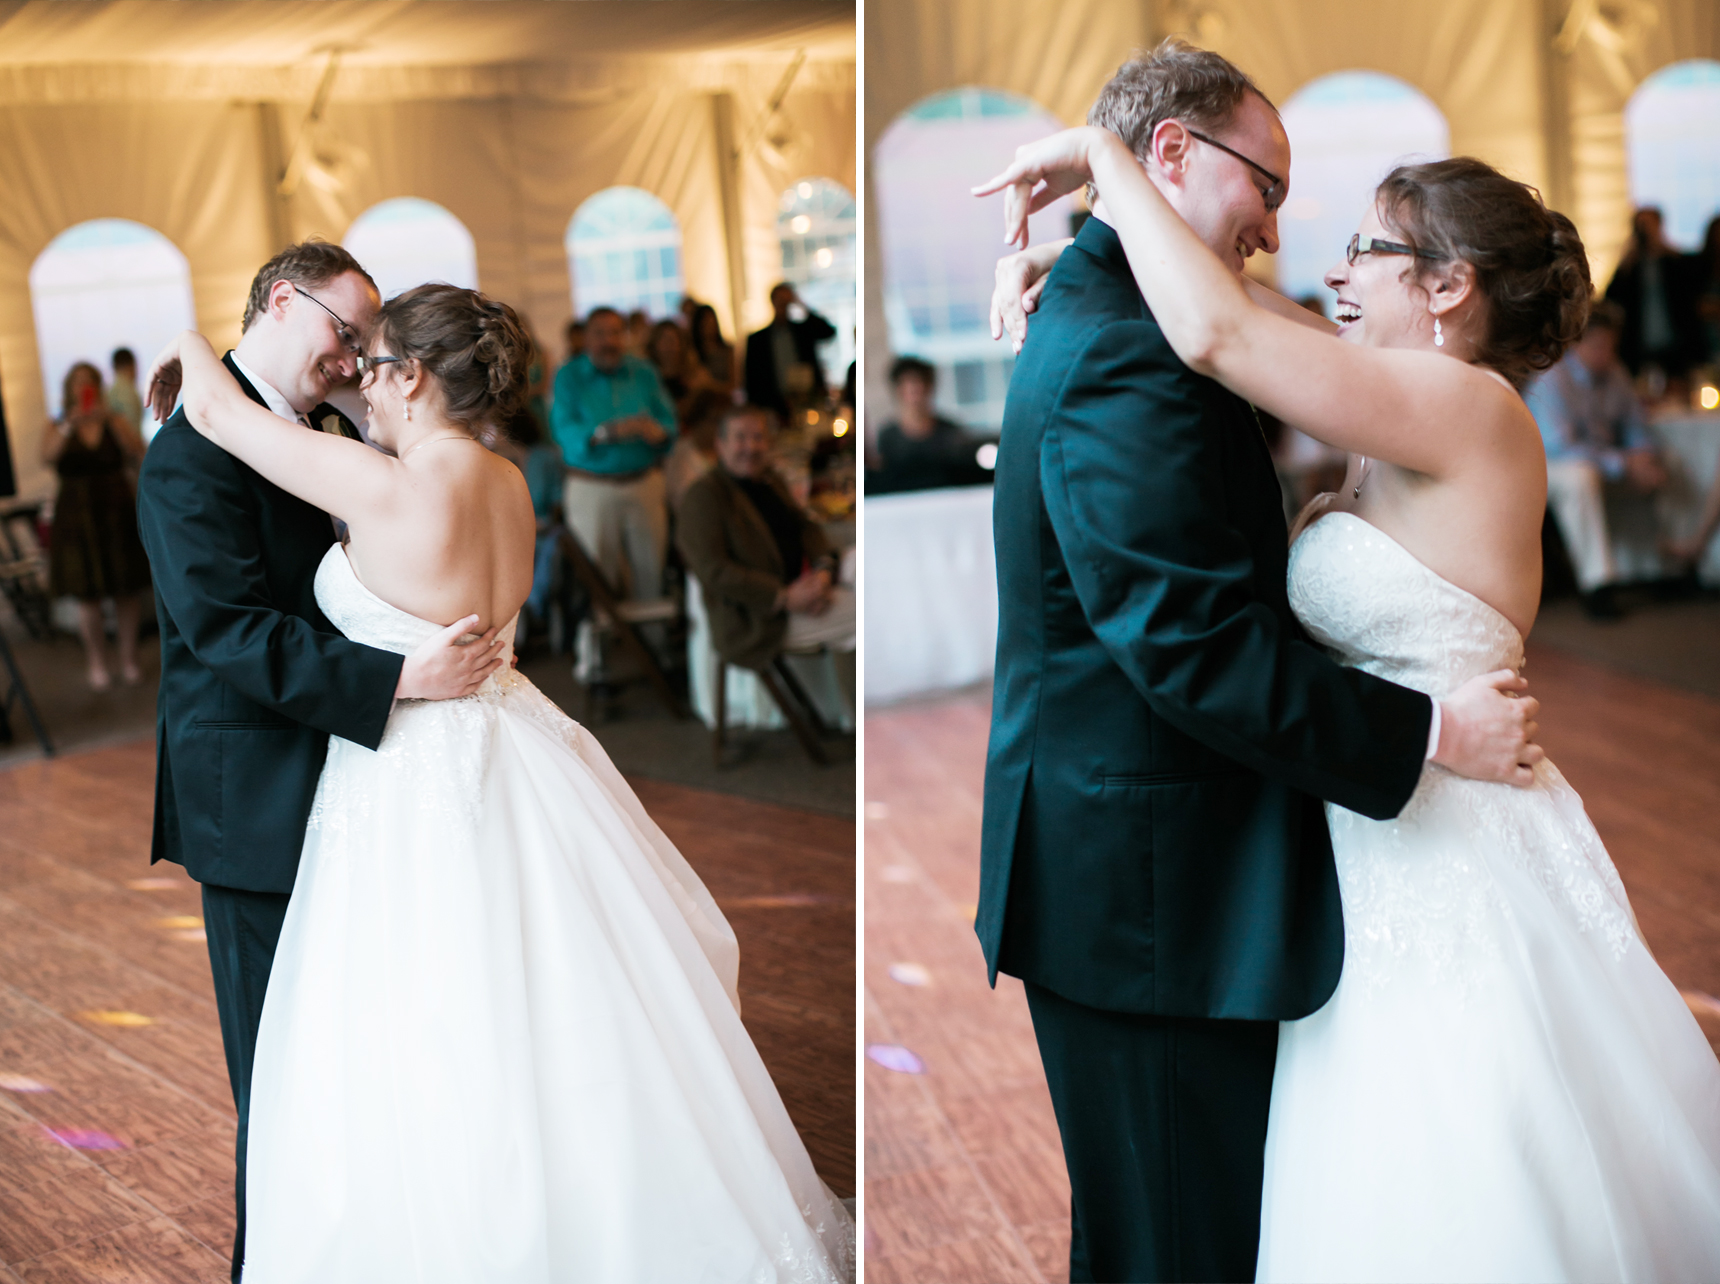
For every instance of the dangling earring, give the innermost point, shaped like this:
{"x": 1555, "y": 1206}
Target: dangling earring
{"x": 409, "y": 404}
{"x": 1438, "y": 335}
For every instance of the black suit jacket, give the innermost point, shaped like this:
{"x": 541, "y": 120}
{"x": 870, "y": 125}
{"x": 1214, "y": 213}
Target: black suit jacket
{"x": 763, "y": 387}
{"x": 254, "y": 679}
{"x": 1162, "y": 730}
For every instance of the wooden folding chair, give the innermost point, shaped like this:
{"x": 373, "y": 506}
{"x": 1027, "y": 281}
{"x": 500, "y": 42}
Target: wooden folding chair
{"x": 790, "y": 696}
{"x": 623, "y": 618}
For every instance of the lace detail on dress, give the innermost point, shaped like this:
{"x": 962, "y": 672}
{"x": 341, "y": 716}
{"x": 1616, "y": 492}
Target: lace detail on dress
{"x": 831, "y": 1258}
{"x": 1426, "y": 885}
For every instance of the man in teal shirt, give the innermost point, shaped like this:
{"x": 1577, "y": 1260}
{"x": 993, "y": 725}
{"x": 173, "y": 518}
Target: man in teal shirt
{"x": 614, "y": 423}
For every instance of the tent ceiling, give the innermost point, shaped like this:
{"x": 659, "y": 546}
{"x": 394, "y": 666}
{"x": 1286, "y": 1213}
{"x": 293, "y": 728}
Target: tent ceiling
{"x": 415, "y": 32}
{"x": 275, "y": 50}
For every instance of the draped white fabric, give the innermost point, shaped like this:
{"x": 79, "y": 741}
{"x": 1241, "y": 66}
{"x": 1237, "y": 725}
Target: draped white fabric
{"x": 507, "y": 114}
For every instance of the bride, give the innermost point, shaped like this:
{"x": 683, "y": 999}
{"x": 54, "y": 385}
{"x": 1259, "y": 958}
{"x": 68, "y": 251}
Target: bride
{"x": 502, "y": 1038}
{"x": 1504, "y": 1086}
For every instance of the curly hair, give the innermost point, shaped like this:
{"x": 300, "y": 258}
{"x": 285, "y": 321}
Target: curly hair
{"x": 1530, "y": 266}
{"x": 475, "y": 346}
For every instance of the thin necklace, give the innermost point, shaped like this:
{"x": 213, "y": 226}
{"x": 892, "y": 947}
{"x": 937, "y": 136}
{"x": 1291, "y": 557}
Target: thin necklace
{"x": 448, "y": 437}
{"x": 1357, "y": 492}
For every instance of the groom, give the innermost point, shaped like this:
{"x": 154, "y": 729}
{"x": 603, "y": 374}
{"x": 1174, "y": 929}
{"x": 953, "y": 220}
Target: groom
{"x": 1155, "y": 861}
{"x": 254, "y": 679}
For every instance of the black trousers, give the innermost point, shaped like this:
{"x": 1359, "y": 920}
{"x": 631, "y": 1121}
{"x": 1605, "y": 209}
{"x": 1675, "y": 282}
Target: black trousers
{"x": 243, "y": 930}
{"x": 1164, "y": 1131}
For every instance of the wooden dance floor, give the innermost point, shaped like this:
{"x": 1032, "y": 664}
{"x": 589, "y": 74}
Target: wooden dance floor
{"x": 116, "y": 1119}
{"x": 965, "y": 1181}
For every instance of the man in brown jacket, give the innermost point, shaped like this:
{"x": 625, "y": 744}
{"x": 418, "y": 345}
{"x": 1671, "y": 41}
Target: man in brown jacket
{"x": 766, "y": 570}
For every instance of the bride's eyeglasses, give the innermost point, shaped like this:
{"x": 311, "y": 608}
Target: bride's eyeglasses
{"x": 367, "y": 366}
{"x": 1360, "y": 245}
{"x": 1274, "y": 193}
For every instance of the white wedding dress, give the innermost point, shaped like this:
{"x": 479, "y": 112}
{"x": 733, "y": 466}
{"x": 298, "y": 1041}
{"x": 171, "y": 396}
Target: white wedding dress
{"x": 502, "y": 1042}
{"x": 1505, "y": 1086}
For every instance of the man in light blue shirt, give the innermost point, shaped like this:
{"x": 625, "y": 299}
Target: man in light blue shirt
{"x": 1597, "y": 440}
{"x": 614, "y": 423}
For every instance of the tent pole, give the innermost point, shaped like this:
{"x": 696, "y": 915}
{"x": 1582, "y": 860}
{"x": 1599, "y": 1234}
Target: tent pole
{"x": 729, "y": 187}
{"x": 1555, "y": 59}
{"x": 276, "y": 207}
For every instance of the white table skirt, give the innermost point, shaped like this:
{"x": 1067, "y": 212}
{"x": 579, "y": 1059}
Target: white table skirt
{"x": 1692, "y": 444}
{"x": 931, "y": 592}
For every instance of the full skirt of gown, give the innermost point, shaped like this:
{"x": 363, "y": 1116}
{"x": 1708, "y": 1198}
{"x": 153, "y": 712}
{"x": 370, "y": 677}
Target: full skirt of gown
{"x": 502, "y": 1040}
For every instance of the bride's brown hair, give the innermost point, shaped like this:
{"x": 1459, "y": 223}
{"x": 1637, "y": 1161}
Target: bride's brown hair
{"x": 1529, "y": 262}
{"x": 475, "y": 346}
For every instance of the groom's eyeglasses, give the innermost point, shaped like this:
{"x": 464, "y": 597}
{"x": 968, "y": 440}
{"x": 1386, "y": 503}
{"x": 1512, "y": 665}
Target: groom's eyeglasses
{"x": 346, "y": 334}
{"x": 1360, "y": 245}
{"x": 1274, "y": 193}
{"x": 368, "y": 366}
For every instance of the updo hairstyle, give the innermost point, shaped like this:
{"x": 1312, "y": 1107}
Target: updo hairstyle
{"x": 1530, "y": 268}
{"x": 475, "y": 346}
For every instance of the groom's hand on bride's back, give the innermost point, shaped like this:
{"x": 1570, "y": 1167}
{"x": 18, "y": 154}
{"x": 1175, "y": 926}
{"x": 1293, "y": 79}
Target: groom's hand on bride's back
{"x": 444, "y": 668}
{"x": 1487, "y": 730}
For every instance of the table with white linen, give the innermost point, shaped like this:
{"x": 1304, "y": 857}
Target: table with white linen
{"x": 931, "y": 592}
{"x": 1691, "y": 442}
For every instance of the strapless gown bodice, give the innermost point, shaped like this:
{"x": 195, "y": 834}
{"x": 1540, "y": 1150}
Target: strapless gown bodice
{"x": 1376, "y": 607}
{"x": 364, "y": 617}
{"x": 1504, "y": 1086}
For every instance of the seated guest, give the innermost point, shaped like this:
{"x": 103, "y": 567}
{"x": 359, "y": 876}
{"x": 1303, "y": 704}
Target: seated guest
{"x": 614, "y": 424}
{"x": 766, "y": 570}
{"x": 782, "y": 358}
{"x": 920, "y": 449}
{"x": 1597, "y": 442}
{"x": 1659, "y": 291}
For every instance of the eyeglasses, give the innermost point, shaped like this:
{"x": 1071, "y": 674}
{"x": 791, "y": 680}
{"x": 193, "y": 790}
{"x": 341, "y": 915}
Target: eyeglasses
{"x": 346, "y": 334}
{"x": 1274, "y": 194}
{"x": 367, "y": 365}
{"x": 1360, "y": 245}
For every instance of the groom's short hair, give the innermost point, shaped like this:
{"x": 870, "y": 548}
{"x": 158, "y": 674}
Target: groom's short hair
{"x": 1176, "y": 81}
{"x": 308, "y": 264}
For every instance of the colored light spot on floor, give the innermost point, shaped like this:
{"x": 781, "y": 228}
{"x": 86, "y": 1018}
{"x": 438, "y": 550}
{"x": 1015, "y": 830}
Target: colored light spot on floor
{"x": 970, "y": 912}
{"x": 181, "y": 921}
{"x": 104, "y": 1017}
{"x": 877, "y": 811}
{"x": 893, "y": 1056}
{"x": 897, "y": 873}
{"x": 18, "y": 1083}
{"x": 154, "y": 884}
{"x": 86, "y": 1139}
{"x": 910, "y": 974}
{"x": 195, "y": 934}
{"x": 794, "y": 900}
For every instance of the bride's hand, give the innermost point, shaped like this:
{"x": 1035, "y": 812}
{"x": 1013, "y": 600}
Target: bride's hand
{"x": 161, "y": 388}
{"x": 1021, "y": 279}
{"x": 1044, "y": 171}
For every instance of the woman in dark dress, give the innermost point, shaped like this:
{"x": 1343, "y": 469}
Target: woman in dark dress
{"x": 93, "y": 547}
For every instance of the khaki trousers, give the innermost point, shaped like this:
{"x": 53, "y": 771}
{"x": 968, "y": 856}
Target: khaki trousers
{"x": 623, "y": 527}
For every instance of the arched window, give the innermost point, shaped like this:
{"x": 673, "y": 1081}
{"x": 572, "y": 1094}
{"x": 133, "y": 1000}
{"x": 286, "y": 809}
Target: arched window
{"x": 1672, "y": 138}
{"x": 406, "y": 242}
{"x": 1347, "y": 131}
{"x": 624, "y": 249}
{"x": 105, "y": 284}
{"x": 815, "y": 225}
{"x": 941, "y": 246}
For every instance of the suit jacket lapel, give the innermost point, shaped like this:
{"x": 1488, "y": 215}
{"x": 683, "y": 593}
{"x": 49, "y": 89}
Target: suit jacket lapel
{"x": 233, "y": 369}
